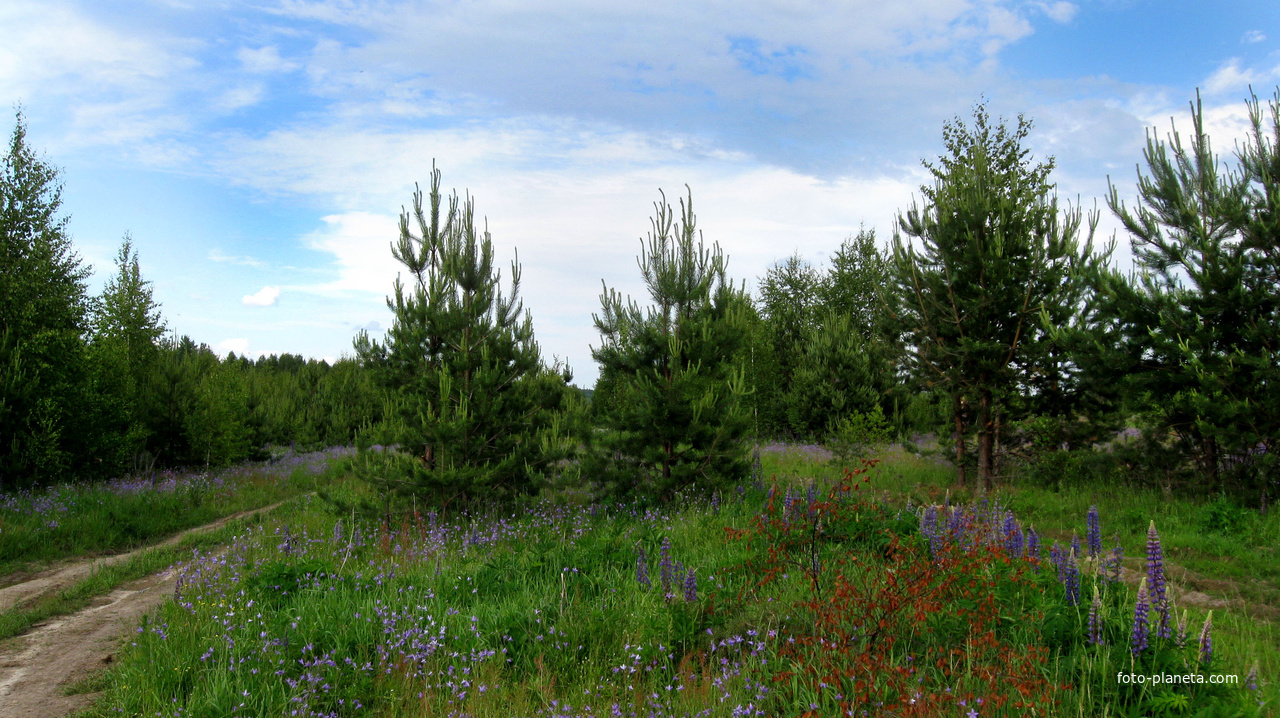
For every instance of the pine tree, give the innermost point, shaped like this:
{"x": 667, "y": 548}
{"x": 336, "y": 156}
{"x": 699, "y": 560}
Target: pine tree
{"x": 994, "y": 251}
{"x": 126, "y": 344}
{"x": 43, "y": 306}
{"x": 1194, "y": 337}
{"x": 674, "y": 370}
{"x": 472, "y": 401}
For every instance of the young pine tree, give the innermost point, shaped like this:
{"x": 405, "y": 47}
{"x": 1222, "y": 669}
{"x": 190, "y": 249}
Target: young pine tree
{"x": 127, "y": 329}
{"x": 993, "y": 253}
{"x": 1196, "y": 334}
{"x": 472, "y": 402}
{"x": 676, "y": 415}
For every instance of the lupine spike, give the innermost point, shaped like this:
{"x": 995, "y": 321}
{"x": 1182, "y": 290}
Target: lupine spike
{"x": 690, "y": 587}
{"x": 1033, "y": 543}
{"x": 1094, "y": 532}
{"x": 1095, "y": 618}
{"x": 1071, "y": 579}
{"x": 1117, "y": 559}
{"x": 1075, "y": 543}
{"x": 642, "y": 569}
{"x": 1141, "y": 627}
{"x": 1180, "y": 636}
{"x": 1206, "y": 640}
{"x": 1155, "y": 573}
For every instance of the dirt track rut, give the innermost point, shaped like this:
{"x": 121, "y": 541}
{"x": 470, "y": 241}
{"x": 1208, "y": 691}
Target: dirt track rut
{"x": 36, "y": 667}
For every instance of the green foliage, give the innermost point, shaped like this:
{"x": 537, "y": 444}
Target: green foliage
{"x": 674, "y": 372}
{"x": 44, "y": 372}
{"x": 470, "y": 396}
{"x": 834, "y": 376}
{"x": 853, "y": 437}
{"x": 994, "y": 254}
{"x": 1192, "y": 338}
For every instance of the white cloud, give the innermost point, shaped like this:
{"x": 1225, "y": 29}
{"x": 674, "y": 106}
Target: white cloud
{"x": 217, "y": 255}
{"x": 360, "y": 246}
{"x": 1060, "y": 12}
{"x": 265, "y": 297}
{"x": 1253, "y": 36}
{"x": 1230, "y": 77}
{"x": 264, "y": 60}
{"x": 239, "y": 346}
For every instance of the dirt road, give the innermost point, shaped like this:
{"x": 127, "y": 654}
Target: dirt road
{"x": 35, "y": 668}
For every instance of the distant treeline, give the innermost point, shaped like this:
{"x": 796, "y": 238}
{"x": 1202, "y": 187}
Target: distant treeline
{"x": 991, "y": 322}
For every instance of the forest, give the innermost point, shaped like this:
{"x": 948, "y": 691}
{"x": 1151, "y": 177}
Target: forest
{"x": 994, "y": 328}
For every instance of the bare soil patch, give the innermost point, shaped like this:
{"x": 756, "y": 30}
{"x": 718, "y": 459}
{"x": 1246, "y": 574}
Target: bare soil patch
{"x": 36, "y": 667}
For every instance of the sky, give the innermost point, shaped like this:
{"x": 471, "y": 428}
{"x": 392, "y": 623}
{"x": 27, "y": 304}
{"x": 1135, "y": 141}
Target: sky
{"x": 259, "y": 153}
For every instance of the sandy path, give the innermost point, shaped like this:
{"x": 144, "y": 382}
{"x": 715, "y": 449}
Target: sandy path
{"x": 37, "y": 666}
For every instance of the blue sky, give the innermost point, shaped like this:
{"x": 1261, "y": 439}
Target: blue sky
{"x": 259, "y": 152}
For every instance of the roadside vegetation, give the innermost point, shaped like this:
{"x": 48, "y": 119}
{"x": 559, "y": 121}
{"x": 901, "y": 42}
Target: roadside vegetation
{"x": 41, "y": 526}
{"x": 1005, "y": 474}
{"x": 788, "y": 595}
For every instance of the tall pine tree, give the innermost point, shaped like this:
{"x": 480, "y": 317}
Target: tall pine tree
{"x": 994, "y": 251}
{"x": 673, "y": 370}
{"x": 472, "y": 402}
{"x": 1195, "y": 335}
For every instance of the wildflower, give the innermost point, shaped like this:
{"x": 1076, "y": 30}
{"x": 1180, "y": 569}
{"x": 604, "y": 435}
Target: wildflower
{"x": 1075, "y": 543}
{"x": 1094, "y": 532}
{"x": 1013, "y": 538}
{"x": 1180, "y": 636}
{"x": 1095, "y": 619}
{"x": 642, "y": 569}
{"x": 1155, "y": 573}
{"x": 1033, "y": 543}
{"x": 1059, "y": 562}
{"x": 1117, "y": 558}
{"x": 1251, "y": 678}
{"x": 1071, "y": 578}
{"x": 690, "y": 587}
{"x": 1141, "y": 627}
{"x": 1206, "y": 640}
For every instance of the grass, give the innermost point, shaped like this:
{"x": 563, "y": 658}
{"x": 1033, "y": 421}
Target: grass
{"x": 19, "y": 619}
{"x": 72, "y": 521}
{"x": 796, "y": 607}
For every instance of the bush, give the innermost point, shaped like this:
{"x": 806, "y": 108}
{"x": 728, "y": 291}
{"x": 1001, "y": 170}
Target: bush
{"x": 852, "y": 437}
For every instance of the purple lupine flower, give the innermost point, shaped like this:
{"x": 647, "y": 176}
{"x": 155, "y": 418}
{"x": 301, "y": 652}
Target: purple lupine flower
{"x": 1071, "y": 578}
{"x": 1012, "y": 536}
{"x": 715, "y": 502}
{"x": 1141, "y": 628}
{"x": 1206, "y": 640}
{"x": 1075, "y": 543}
{"x": 1251, "y": 678}
{"x": 1180, "y": 635}
{"x": 1117, "y": 558}
{"x": 664, "y": 565}
{"x": 1033, "y": 543}
{"x": 955, "y": 523}
{"x": 1155, "y": 573}
{"x": 1094, "y": 532}
{"x": 929, "y": 522}
{"x": 642, "y": 569}
{"x": 1059, "y": 563}
{"x": 690, "y": 587}
{"x": 1095, "y": 619}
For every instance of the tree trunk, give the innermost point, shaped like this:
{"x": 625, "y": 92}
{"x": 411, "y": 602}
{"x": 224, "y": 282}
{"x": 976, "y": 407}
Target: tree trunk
{"x": 955, "y": 410}
{"x": 986, "y": 435}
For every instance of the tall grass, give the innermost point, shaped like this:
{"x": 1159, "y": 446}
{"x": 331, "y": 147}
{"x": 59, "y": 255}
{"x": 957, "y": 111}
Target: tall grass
{"x": 85, "y": 519}
{"x": 791, "y": 597}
